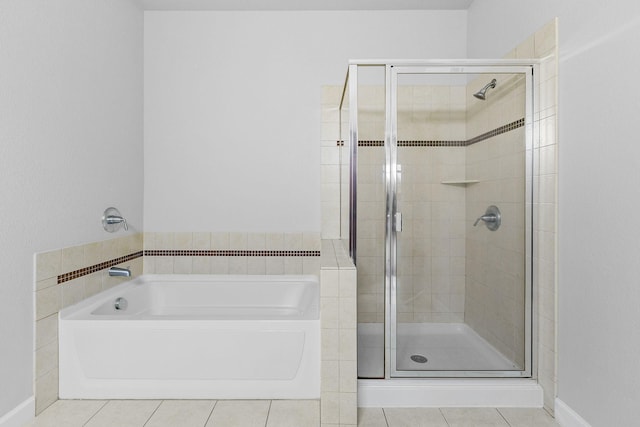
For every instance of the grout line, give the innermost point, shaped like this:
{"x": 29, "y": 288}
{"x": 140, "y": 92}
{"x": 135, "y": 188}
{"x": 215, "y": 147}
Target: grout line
{"x": 215, "y": 403}
{"x": 96, "y": 413}
{"x": 154, "y": 411}
{"x": 266, "y": 421}
{"x": 505, "y": 420}
{"x": 384, "y": 414}
{"x": 444, "y": 417}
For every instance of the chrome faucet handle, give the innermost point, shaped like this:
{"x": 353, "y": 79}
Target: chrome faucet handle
{"x": 492, "y": 218}
{"x": 115, "y": 219}
{"x": 112, "y": 220}
{"x": 485, "y": 218}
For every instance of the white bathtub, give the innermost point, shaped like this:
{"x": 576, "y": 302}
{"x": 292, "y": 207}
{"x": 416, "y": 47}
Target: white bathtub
{"x": 194, "y": 337}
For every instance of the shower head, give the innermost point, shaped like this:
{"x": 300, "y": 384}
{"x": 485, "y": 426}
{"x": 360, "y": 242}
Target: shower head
{"x": 481, "y": 94}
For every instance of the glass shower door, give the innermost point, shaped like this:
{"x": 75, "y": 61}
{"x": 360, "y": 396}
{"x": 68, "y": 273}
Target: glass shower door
{"x": 459, "y": 292}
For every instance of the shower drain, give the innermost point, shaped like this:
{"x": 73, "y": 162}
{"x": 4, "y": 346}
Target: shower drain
{"x": 418, "y": 358}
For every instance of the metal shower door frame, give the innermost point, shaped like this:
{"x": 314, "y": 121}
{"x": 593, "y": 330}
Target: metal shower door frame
{"x": 392, "y": 70}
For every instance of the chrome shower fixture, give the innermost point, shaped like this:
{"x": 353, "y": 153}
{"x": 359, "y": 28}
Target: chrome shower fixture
{"x": 481, "y": 94}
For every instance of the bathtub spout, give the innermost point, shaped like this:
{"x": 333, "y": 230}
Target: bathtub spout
{"x": 117, "y": 271}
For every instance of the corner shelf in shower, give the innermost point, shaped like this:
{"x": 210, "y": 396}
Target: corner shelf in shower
{"x": 460, "y": 182}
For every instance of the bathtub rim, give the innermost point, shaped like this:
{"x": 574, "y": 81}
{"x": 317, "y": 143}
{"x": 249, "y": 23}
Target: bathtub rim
{"x": 81, "y": 311}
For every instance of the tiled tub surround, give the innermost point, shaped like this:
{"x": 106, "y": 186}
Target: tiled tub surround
{"x": 64, "y": 277}
{"x": 338, "y": 383}
{"x": 231, "y": 253}
{"x": 67, "y": 276}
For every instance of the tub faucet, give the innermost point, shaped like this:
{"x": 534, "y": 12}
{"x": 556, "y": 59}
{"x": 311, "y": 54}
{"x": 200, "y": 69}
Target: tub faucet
{"x": 117, "y": 271}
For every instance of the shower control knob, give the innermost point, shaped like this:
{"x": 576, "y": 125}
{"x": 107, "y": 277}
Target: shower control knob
{"x": 492, "y": 218}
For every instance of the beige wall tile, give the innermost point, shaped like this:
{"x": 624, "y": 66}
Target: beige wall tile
{"x": 274, "y": 265}
{"x": 330, "y": 344}
{"x": 348, "y": 408}
{"x": 48, "y": 264}
{"x": 348, "y": 376}
{"x": 330, "y": 376}
{"x": 48, "y": 301}
{"x": 220, "y": 241}
{"x": 256, "y": 265}
{"x": 164, "y": 265}
{"x": 329, "y": 312}
{"x": 93, "y": 284}
{"x": 330, "y": 408}
{"x": 256, "y": 241}
{"x": 182, "y": 265}
{"x": 149, "y": 265}
{"x": 46, "y": 358}
{"x": 110, "y": 249}
{"x": 238, "y": 241}
{"x": 274, "y": 241}
{"x": 182, "y": 240}
{"x": 293, "y": 241}
{"x": 202, "y": 241}
{"x": 348, "y": 344}
{"x": 72, "y": 291}
{"x": 238, "y": 265}
{"x": 46, "y": 390}
{"x": 329, "y": 283}
{"x": 46, "y": 283}
{"x": 293, "y": 265}
{"x": 150, "y": 240}
{"x": 92, "y": 254}
{"x": 46, "y": 330}
{"x": 220, "y": 265}
{"x": 311, "y": 265}
{"x": 201, "y": 265}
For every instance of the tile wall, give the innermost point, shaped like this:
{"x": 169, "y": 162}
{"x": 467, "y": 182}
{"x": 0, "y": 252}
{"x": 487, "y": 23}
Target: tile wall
{"x": 339, "y": 378}
{"x": 64, "y": 277}
{"x": 543, "y": 44}
{"x": 495, "y": 261}
{"x": 431, "y": 250}
{"x": 231, "y": 253}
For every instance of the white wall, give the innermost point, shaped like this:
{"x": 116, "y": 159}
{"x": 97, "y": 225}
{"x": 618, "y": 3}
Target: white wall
{"x": 70, "y": 146}
{"x": 599, "y": 172}
{"x": 232, "y": 107}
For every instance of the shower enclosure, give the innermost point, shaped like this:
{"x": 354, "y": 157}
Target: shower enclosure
{"x": 436, "y": 191}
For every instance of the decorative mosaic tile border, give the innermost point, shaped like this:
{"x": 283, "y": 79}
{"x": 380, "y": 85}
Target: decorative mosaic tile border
{"x": 502, "y": 129}
{"x": 225, "y": 252}
{"x": 435, "y": 143}
{"x": 149, "y": 252}
{"x": 97, "y": 267}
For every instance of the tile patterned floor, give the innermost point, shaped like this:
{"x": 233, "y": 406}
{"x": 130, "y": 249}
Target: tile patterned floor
{"x": 269, "y": 413}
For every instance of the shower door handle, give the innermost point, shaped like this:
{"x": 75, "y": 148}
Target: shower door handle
{"x": 398, "y": 221}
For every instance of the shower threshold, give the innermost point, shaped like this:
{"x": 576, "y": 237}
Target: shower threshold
{"x": 447, "y": 347}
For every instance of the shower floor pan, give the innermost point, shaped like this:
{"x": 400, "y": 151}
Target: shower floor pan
{"x": 445, "y": 346}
